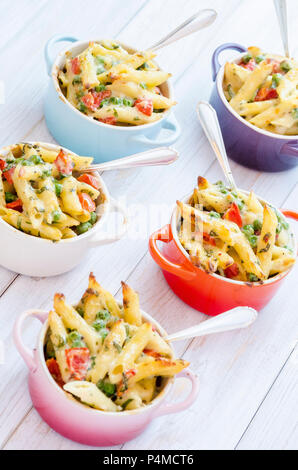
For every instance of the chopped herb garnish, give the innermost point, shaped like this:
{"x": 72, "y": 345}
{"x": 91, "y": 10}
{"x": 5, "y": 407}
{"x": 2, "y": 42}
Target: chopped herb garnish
{"x": 106, "y": 387}
{"x": 214, "y": 214}
{"x": 58, "y": 188}
{"x": 257, "y": 225}
{"x": 117, "y": 347}
{"x": 126, "y": 403}
{"x": 9, "y": 197}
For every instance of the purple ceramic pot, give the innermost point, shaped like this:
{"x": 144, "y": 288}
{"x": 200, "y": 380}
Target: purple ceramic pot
{"x": 246, "y": 143}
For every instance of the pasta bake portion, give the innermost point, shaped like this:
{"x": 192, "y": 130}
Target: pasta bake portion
{"x": 105, "y": 354}
{"x": 263, "y": 89}
{"x": 110, "y": 85}
{"x": 43, "y": 194}
{"x": 234, "y": 234}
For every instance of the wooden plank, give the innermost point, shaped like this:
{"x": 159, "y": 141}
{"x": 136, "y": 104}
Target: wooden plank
{"x": 25, "y": 80}
{"x": 218, "y": 361}
{"x": 275, "y": 425}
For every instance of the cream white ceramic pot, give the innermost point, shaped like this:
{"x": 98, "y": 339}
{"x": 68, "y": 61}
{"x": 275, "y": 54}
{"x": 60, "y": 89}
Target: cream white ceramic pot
{"x": 33, "y": 256}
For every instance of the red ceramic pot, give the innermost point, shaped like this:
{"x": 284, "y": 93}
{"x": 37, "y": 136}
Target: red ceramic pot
{"x": 207, "y": 292}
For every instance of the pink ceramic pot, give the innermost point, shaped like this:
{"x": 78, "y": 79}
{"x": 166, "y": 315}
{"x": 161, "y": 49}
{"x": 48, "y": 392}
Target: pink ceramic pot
{"x": 76, "y": 421}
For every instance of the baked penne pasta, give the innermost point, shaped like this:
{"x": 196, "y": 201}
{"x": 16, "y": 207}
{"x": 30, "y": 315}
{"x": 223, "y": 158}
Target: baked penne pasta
{"x": 112, "y": 86}
{"x": 44, "y": 196}
{"x": 233, "y": 234}
{"x": 263, "y": 89}
{"x": 102, "y": 360}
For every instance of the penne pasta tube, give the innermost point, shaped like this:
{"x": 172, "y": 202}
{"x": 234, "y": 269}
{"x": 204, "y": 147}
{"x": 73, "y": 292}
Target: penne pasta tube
{"x": 89, "y": 394}
{"x": 74, "y": 321}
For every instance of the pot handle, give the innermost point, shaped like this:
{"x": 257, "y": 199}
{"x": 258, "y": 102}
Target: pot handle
{"x": 291, "y": 214}
{"x": 115, "y": 206}
{"x": 168, "y": 408}
{"x": 171, "y": 124}
{"x": 24, "y": 351}
{"x": 215, "y": 62}
{"x": 186, "y": 271}
{"x": 49, "y": 57}
{"x": 290, "y": 149}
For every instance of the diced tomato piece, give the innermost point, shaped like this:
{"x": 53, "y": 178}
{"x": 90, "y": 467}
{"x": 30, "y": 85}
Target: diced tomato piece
{"x": 152, "y": 353}
{"x": 276, "y": 65}
{"x": 98, "y": 96}
{"x": 232, "y": 271}
{"x": 109, "y": 120}
{"x": 64, "y": 163}
{"x": 144, "y": 105}
{"x": 93, "y": 99}
{"x": 76, "y": 66}
{"x": 8, "y": 174}
{"x": 78, "y": 360}
{"x": 87, "y": 202}
{"x": 88, "y": 100}
{"x": 89, "y": 179}
{"x": 209, "y": 239}
{"x": 17, "y": 205}
{"x": 54, "y": 370}
{"x": 251, "y": 65}
{"x": 3, "y": 164}
{"x": 233, "y": 214}
{"x": 266, "y": 93}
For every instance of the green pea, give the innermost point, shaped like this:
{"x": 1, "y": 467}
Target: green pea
{"x": 93, "y": 218}
{"x": 285, "y": 66}
{"x": 56, "y": 216}
{"x": 103, "y": 315}
{"x": 36, "y": 159}
{"x": 253, "y": 240}
{"x": 252, "y": 277}
{"x": 246, "y": 58}
{"x": 82, "y": 228}
{"x": 276, "y": 77}
{"x": 82, "y": 107}
{"x": 75, "y": 340}
{"x": 99, "y": 324}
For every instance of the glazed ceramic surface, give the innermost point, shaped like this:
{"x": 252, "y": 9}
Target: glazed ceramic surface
{"x": 86, "y": 136}
{"x": 34, "y": 256}
{"x": 209, "y": 293}
{"x": 79, "y": 422}
{"x": 246, "y": 143}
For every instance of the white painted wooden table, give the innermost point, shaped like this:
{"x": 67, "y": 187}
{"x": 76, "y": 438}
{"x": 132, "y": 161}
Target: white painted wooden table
{"x": 248, "y": 395}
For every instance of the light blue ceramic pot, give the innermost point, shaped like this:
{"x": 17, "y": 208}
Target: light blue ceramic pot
{"x": 85, "y": 136}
